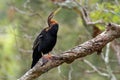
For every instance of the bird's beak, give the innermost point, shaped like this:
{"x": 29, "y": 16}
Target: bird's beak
{"x": 54, "y": 13}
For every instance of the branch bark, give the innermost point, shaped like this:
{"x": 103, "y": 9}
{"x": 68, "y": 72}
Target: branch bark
{"x": 112, "y": 32}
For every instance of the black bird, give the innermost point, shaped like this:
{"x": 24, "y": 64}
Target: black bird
{"x": 46, "y": 40}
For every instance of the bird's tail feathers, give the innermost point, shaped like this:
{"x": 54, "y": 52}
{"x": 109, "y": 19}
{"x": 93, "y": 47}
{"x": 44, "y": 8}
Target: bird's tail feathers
{"x": 36, "y": 56}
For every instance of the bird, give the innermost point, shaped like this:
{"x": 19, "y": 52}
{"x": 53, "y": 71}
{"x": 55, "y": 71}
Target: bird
{"x": 46, "y": 40}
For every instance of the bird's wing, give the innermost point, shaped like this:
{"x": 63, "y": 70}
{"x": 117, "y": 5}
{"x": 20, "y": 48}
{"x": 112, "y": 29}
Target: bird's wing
{"x": 38, "y": 39}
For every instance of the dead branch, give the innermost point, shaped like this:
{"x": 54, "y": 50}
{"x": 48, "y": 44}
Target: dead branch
{"x": 106, "y": 60}
{"x": 116, "y": 47}
{"x": 73, "y": 4}
{"x": 95, "y": 69}
{"x": 112, "y": 32}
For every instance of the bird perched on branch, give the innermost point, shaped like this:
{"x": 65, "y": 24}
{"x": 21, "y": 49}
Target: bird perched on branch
{"x": 46, "y": 40}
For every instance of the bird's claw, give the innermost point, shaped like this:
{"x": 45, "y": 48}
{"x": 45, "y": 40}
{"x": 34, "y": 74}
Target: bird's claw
{"x": 46, "y": 58}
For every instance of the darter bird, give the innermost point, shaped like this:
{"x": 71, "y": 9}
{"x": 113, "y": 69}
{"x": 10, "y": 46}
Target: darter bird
{"x": 46, "y": 40}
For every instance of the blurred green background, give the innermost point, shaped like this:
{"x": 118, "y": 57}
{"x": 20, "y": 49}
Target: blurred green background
{"x": 22, "y": 20}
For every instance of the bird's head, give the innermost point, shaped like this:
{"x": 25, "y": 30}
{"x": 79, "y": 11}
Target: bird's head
{"x": 53, "y": 25}
{"x": 50, "y": 20}
{"x": 53, "y": 22}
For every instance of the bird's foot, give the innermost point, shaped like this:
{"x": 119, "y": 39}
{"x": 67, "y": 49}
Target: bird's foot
{"x": 46, "y": 58}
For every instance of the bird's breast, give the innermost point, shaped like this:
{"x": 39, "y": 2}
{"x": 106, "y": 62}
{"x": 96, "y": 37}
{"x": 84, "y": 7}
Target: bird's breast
{"x": 48, "y": 43}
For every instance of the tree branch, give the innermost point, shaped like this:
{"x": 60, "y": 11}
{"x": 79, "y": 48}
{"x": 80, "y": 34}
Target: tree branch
{"x": 112, "y": 32}
{"x": 79, "y": 9}
{"x": 83, "y": 12}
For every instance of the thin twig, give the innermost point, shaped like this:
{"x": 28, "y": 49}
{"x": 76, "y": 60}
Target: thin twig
{"x": 70, "y": 73}
{"x": 95, "y": 68}
{"x": 59, "y": 70}
{"x": 106, "y": 59}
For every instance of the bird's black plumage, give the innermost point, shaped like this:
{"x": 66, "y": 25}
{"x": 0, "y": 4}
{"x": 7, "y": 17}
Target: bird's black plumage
{"x": 45, "y": 41}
